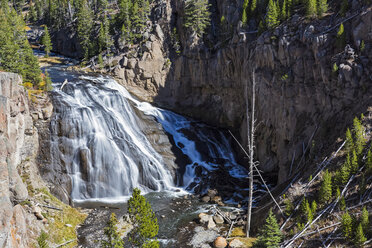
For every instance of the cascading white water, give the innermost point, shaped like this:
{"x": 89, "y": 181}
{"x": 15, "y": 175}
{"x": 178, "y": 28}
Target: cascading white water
{"x": 96, "y": 131}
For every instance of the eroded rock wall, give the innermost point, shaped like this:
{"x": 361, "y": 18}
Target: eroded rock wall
{"x": 18, "y": 143}
{"x": 301, "y": 100}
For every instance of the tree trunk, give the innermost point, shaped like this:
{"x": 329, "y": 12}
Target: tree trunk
{"x": 250, "y": 134}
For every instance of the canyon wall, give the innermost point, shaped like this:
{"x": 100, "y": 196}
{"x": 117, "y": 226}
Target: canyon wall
{"x": 308, "y": 88}
{"x": 18, "y": 146}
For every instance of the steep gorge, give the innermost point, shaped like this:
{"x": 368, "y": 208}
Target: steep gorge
{"x": 301, "y": 100}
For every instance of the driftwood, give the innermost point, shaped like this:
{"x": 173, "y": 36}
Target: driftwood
{"x": 51, "y": 207}
{"x": 65, "y": 243}
{"x": 321, "y": 229}
{"x": 231, "y": 226}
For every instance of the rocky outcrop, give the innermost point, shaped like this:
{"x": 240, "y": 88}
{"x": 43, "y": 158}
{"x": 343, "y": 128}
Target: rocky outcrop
{"x": 18, "y": 142}
{"x": 301, "y": 100}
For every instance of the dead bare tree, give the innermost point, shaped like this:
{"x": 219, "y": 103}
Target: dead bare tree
{"x": 251, "y": 126}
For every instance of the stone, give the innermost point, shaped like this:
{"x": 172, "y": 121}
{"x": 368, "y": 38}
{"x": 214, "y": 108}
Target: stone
{"x": 124, "y": 61}
{"x": 37, "y": 211}
{"x": 47, "y": 111}
{"x": 220, "y": 242}
{"x": 218, "y": 219}
{"x": 203, "y": 217}
{"x": 211, "y": 223}
{"x": 236, "y": 243}
{"x": 132, "y": 63}
{"x": 212, "y": 193}
{"x": 202, "y": 237}
{"x": 68, "y": 225}
{"x": 159, "y": 32}
{"x": 205, "y": 198}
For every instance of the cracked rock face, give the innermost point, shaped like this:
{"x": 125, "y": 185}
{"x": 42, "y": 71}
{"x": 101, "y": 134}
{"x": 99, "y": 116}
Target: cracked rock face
{"x": 18, "y": 142}
{"x": 300, "y": 101}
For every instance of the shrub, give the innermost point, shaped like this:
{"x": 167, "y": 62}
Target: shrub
{"x": 270, "y": 234}
{"x": 359, "y": 236}
{"x": 112, "y": 234}
{"x": 145, "y": 224}
{"x": 325, "y": 193}
{"x": 347, "y": 225}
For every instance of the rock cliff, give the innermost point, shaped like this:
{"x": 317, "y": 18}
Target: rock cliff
{"x": 18, "y": 144}
{"x": 308, "y": 89}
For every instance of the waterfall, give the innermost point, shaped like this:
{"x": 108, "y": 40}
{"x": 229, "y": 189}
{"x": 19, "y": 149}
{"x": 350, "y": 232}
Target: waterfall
{"x": 96, "y": 134}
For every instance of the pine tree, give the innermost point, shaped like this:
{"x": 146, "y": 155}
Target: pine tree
{"x": 325, "y": 193}
{"x": 244, "y": 17}
{"x": 112, "y": 234}
{"x": 253, "y": 7}
{"x": 349, "y": 141}
{"x": 42, "y": 240}
{"x": 123, "y": 19}
{"x": 283, "y": 11}
{"x": 347, "y": 225}
{"x": 341, "y": 37}
{"x": 305, "y": 210}
{"x": 270, "y": 234}
{"x": 272, "y": 15}
{"x": 197, "y": 16}
{"x": 364, "y": 221}
{"x": 84, "y": 26}
{"x": 354, "y": 163}
{"x": 32, "y": 13}
{"x": 322, "y": 7}
{"x": 311, "y": 7}
{"x": 314, "y": 206}
{"x": 39, "y": 11}
{"x": 46, "y": 41}
{"x": 358, "y": 131}
{"x": 289, "y": 8}
{"x": 244, "y": 13}
{"x": 369, "y": 163}
{"x": 359, "y": 236}
{"x": 145, "y": 224}
{"x": 362, "y": 186}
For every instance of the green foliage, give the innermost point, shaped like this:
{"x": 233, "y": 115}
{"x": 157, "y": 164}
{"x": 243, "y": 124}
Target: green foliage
{"x": 283, "y": 11}
{"x": 364, "y": 221}
{"x": 311, "y": 7}
{"x": 197, "y": 16}
{"x": 100, "y": 60}
{"x": 341, "y": 37}
{"x": 305, "y": 210}
{"x": 347, "y": 226}
{"x": 342, "y": 204}
{"x": 253, "y": 7}
{"x": 15, "y": 52}
{"x": 358, "y": 131}
{"x": 145, "y": 224}
{"x": 362, "y": 46}
{"x": 362, "y": 186}
{"x": 354, "y": 163}
{"x": 42, "y": 240}
{"x": 288, "y": 207}
{"x": 325, "y": 193}
{"x": 334, "y": 68}
{"x": 349, "y": 141}
{"x": 270, "y": 234}
{"x": 369, "y": 163}
{"x": 272, "y": 16}
{"x": 359, "y": 237}
{"x": 112, "y": 234}
{"x": 46, "y": 41}
{"x": 322, "y": 7}
{"x": 48, "y": 82}
{"x": 244, "y": 13}
{"x": 176, "y": 39}
{"x": 314, "y": 206}
{"x": 124, "y": 20}
{"x": 32, "y": 13}
{"x": 84, "y": 26}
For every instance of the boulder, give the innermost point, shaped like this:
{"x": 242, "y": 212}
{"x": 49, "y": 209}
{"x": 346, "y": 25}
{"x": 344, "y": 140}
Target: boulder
{"x": 211, "y": 223}
{"x": 203, "y": 218}
{"x": 37, "y": 212}
{"x": 220, "y": 242}
{"x": 206, "y": 198}
{"x": 236, "y": 243}
{"x": 218, "y": 219}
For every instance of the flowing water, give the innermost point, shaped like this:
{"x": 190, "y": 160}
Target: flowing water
{"x": 99, "y": 133}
